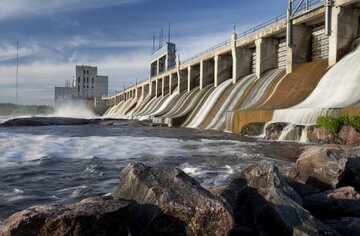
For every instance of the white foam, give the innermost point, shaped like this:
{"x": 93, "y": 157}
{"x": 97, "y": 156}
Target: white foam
{"x": 337, "y": 89}
{"x": 208, "y": 105}
{"x": 18, "y": 148}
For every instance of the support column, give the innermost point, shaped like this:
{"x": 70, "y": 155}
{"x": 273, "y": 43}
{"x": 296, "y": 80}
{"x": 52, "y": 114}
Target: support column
{"x": 300, "y": 50}
{"x": 206, "y": 73}
{"x": 266, "y": 55}
{"x": 165, "y": 88}
{"x": 157, "y": 88}
{"x": 159, "y": 91}
{"x": 173, "y": 83}
{"x": 182, "y": 80}
{"x": 189, "y": 78}
{"x": 344, "y": 30}
{"x": 153, "y": 88}
{"x": 241, "y": 60}
{"x": 223, "y": 69}
{"x": 193, "y": 74}
{"x": 158, "y": 67}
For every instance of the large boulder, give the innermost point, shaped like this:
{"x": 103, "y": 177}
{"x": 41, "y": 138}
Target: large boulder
{"x": 347, "y": 226}
{"x": 349, "y": 135}
{"x": 274, "y": 130}
{"x": 342, "y": 202}
{"x": 265, "y": 175}
{"x": 94, "y": 216}
{"x": 253, "y": 129}
{"x": 319, "y": 167}
{"x": 322, "y": 135}
{"x": 177, "y": 195}
{"x": 264, "y": 202}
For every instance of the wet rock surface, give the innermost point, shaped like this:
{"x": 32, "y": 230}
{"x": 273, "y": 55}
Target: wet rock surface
{"x": 342, "y": 202}
{"x": 262, "y": 194}
{"x": 319, "y": 167}
{"x": 347, "y": 226}
{"x": 274, "y": 130}
{"x": 94, "y": 216}
{"x": 253, "y": 129}
{"x": 322, "y": 135}
{"x": 165, "y": 201}
{"x": 349, "y": 136}
{"x": 46, "y": 121}
{"x": 177, "y": 195}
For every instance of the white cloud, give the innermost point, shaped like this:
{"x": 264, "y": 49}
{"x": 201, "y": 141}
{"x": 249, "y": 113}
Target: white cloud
{"x": 21, "y": 8}
{"x": 8, "y": 50}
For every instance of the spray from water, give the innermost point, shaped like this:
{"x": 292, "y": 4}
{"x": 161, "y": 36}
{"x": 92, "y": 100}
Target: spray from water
{"x": 75, "y": 109}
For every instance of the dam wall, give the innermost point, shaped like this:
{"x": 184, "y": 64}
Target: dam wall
{"x": 303, "y": 44}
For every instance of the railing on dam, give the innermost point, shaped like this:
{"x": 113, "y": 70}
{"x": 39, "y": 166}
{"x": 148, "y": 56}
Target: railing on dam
{"x": 303, "y": 8}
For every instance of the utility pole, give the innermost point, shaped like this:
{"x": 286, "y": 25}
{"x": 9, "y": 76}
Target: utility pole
{"x": 17, "y": 69}
{"x": 169, "y": 32}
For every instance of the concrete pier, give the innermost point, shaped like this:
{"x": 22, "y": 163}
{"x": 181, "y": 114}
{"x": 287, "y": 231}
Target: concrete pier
{"x": 193, "y": 76}
{"x": 206, "y": 73}
{"x": 223, "y": 68}
{"x": 266, "y": 55}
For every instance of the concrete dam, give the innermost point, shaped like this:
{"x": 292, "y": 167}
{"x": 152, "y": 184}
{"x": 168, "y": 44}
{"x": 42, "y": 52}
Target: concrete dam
{"x": 291, "y": 69}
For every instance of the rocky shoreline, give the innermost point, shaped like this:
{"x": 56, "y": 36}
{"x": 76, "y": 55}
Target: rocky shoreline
{"x": 318, "y": 196}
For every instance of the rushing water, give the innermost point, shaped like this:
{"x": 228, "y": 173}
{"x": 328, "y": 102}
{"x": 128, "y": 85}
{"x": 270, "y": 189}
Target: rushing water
{"x": 62, "y": 164}
{"x": 337, "y": 89}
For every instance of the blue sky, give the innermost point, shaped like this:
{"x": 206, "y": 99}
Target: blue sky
{"x": 115, "y": 35}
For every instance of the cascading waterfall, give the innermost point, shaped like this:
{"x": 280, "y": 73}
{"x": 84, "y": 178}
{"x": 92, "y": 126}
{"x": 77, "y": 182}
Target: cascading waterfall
{"x": 205, "y": 109}
{"x": 338, "y": 88}
{"x": 304, "y": 135}
{"x": 203, "y": 96}
{"x": 176, "y": 107}
{"x": 146, "y": 115}
{"x": 166, "y": 106}
{"x": 237, "y": 92}
{"x": 261, "y": 87}
{"x": 291, "y": 132}
{"x": 147, "y": 106}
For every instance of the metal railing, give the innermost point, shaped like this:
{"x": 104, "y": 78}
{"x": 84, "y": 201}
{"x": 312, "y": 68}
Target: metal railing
{"x": 217, "y": 46}
{"x": 311, "y": 4}
{"x": 303, "y": 7}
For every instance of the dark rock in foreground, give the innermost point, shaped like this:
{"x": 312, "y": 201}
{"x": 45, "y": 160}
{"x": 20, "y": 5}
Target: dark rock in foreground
{"x": 347, "y": 226}
{"x": 93, "y": 216}
{"x": 342, "y": 202}
{"x": 46, "y": 121}
{"x": 177, "y": 195}
{"x": 263, "y": 201}
{"x": 319, "y": 167}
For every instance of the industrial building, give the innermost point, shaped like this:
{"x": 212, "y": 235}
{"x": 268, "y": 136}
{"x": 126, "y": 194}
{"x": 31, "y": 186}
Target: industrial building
{"x": 86, "y": 86}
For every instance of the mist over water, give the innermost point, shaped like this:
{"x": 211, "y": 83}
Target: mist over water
{"x": 74, "y": 110}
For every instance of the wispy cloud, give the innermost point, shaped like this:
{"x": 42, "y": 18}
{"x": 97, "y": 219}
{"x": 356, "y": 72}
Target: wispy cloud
{"x": 23, "y": 8}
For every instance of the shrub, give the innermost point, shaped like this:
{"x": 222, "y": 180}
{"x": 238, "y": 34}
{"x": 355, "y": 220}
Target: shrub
{"x": 355, "y": 122}
{"x": 331, "y": 124}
